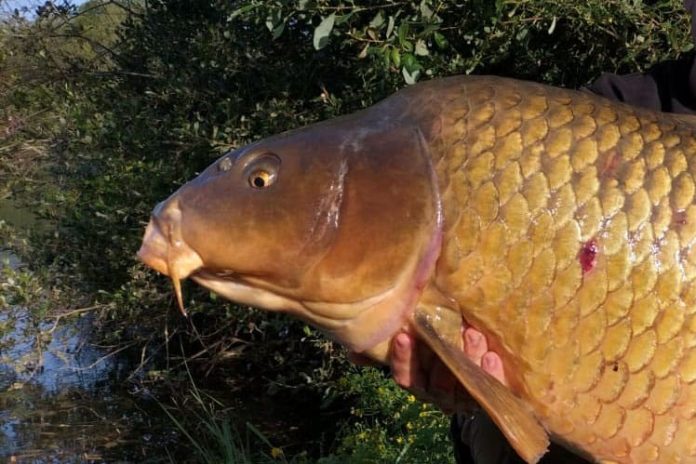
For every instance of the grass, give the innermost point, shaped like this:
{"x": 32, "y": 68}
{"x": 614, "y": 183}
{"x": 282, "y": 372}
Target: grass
{"x": 215, "y": 439}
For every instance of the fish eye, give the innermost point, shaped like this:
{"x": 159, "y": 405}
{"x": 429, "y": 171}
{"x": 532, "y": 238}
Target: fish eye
{"x": 261, "y": 170}
{"x": 261, "y": 178}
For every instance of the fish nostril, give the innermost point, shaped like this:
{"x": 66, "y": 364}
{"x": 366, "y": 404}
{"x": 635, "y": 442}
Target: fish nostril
{"x": 157, "y": 210}
{"x": 165, "y": 216}
{"x": 156, "y": 221}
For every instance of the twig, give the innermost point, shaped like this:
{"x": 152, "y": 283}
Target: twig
{"x": 359, "y": 9}
{"x": 103, "y": 358}
{"x": 73, "y": 312}
{"x": 123, "y": 73}
{"x": 145, "y": 360}
{"x": 360, "y": 39}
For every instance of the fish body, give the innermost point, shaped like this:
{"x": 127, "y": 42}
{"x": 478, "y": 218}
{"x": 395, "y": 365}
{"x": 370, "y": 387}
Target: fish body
{"x": 558, "y": 223}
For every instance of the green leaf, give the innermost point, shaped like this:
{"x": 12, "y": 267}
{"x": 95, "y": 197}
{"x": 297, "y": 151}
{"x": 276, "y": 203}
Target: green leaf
{"x": 396, "y": 57}
{"x": 278, "y": 30}
{"x": 363, "y": 52}
{"x": 421, "y": 48}
{"x": 386, "y": 56}
{"x": 343, "y": 18}
{"x": 440, "y": 40}
{"x": 425, "y": 10}
{"x": 410, "y": 62}
{"x": 377, "y": 21}
{"x": 499, "y": 6}
{"x": 323, "y": 31}
{"x": 241, "y": 11}
{"x": 410, "y": 77}
{"x": 273, "y": 19}
{"x": 403, "y": 32}
{"x": 390, "y": 26}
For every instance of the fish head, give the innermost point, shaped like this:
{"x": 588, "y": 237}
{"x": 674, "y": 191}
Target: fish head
{"x": 337, "y": 223}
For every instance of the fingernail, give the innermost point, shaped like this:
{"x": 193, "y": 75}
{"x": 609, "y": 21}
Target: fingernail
{"x": 402, "y": 341}
{"x": 473, "y": 339}
{"x": 490, "y": 362}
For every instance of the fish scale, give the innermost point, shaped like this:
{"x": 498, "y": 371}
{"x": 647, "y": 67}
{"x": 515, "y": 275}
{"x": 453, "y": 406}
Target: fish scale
{"x": 534, "y": 173}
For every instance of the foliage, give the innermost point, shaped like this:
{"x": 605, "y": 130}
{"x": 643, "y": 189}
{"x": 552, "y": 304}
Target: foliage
{"x": 220, "y": 441}
{"x": 561, "y": 42}
{"x": 389, "y": 425}
{"x": 116, "y": 103}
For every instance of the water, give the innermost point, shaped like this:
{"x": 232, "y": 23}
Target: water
{"x": 64, "y": 400}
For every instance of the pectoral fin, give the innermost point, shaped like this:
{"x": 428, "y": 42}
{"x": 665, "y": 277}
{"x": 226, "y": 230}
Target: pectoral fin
{"x": 439, "y": 328}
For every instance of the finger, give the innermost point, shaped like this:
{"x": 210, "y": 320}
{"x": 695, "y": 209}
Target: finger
{"x": 475, "y": 345}
{"x": 405, "y": 367}
{"x": 492, "y": 364}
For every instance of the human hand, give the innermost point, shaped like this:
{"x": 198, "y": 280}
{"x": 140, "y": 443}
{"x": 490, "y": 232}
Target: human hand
{"x": 417, "y": 369}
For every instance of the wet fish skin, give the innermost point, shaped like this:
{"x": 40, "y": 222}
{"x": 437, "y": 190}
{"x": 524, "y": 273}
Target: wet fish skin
{"x": 569, "y": 240}
{"x": 558, "y": 223}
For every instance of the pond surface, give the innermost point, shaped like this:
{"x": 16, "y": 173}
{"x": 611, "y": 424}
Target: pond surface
{"x": 63, "y": 400}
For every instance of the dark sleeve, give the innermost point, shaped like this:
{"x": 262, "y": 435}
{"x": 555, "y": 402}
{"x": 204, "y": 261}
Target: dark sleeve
{"x": 669, "y": 86}
{"x": 477, "y": 440}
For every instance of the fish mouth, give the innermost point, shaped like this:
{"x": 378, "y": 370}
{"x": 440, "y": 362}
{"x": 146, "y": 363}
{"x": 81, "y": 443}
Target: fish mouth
{"x": 153, "y": 250}
{"x": 164, "y": 250}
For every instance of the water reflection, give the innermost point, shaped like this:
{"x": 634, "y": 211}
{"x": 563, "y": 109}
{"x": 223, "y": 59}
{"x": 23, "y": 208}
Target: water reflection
{"x": 66, "y": 360}
{"x": 63, "y": 400}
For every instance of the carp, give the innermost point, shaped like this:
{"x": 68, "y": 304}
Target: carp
{"x": 558, "y": 223}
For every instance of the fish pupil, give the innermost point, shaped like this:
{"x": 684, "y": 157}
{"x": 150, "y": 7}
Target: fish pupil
{"x": 259, "y": 182}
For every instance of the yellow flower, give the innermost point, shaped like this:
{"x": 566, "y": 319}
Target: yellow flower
{"x": 411, "y": 398}
{"x": 276, "y": 453}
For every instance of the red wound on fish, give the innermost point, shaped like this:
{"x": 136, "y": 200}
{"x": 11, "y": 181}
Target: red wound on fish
{"x": 679, "y": 218}
{"x": 588, "y": 255}
{"x": 610, "y": 164}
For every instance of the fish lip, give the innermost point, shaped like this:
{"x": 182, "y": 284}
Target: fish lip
{"x": 153, "y": 250}
{"x": 168, "y": 255}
